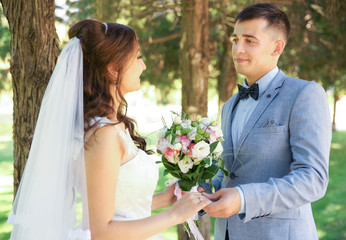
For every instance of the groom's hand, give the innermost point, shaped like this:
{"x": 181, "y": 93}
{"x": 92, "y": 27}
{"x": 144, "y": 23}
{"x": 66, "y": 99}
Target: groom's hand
{"x": 226, "y": 203}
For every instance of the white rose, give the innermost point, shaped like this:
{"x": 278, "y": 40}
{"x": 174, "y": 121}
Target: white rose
{"x": 218, "y": 150}
{"x": 192, "y": 135}
{"x": 206, "y": 121}
{"x": 184, "y": 168}
{"x": 177, "y": 146}
{"x": 218, "y": 132}
{"x": 201, "y": 150}
{"x": 177, "y": 120}
{"x": 185, "y": 125}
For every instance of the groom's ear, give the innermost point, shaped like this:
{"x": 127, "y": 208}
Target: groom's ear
{"x": 279, "y": 48}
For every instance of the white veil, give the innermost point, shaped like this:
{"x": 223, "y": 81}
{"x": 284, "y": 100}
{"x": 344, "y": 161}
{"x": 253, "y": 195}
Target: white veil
{"x": 54, "y": 181}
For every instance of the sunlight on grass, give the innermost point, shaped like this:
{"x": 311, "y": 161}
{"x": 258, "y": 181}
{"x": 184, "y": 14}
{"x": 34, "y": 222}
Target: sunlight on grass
{"x": 336, "y": 146}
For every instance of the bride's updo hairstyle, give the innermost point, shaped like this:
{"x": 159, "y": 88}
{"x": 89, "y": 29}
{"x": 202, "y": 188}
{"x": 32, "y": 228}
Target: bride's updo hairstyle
{"x": 101, "y": 46}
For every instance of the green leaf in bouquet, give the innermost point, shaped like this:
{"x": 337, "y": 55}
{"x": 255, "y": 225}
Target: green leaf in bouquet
{"x": 213, "y": 146}
{"x": 185, "y": 185}
{"x": 158, "y": 162}
{"x": 224, "y": 171}
{"x": 168, "y": 132}
{"x": 173, "y": 138}
{"x": 190, "y": 175}
{"x": 165, "y": 172}
{"x": 210, "y": 172}
{"x": 222, "y": 163}
{"x": 175, "y": 175}
{"x": 167, "y": 165}
{"x": 206, "y": 161}
{"x": 184, "y": 116}
{"x": 201, "y": 182}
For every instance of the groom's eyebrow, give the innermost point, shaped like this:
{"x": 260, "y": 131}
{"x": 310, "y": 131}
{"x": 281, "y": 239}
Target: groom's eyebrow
{"x": 245, "y": 35}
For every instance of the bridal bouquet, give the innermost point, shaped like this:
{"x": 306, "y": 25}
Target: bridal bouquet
{"x": 191, "y": 150}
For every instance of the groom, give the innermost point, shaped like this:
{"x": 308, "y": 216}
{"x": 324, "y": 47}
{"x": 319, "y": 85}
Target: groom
{"x": 277, "y": 139}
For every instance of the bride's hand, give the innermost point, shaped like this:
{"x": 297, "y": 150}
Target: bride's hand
{"x": 188, "y": 205}
{"x": 165, "y": 198}
{"x": 168, "y": 196}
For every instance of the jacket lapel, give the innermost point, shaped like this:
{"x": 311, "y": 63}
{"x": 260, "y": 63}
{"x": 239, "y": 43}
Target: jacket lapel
{"x": 227, "y": 128}
{"x": 268, "y": 96}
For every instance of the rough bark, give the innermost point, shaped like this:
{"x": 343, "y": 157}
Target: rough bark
{"x": 194, "y": 58}
{"x": 34, "y": 48}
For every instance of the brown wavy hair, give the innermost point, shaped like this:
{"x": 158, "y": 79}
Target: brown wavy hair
{"x": 102, "y": 47}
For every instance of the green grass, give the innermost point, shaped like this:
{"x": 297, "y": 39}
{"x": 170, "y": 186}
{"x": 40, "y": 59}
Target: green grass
{"x": 329, "y": 212}
{"x": 6, "y": 171}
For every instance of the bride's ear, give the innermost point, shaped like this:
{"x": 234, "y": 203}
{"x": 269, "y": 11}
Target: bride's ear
{"x": 112, "y": 72}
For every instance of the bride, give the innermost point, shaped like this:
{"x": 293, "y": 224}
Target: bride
{"x": 86, "y": 149}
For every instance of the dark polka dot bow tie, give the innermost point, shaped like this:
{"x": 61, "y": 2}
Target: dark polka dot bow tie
{"x": 245, "y": 92}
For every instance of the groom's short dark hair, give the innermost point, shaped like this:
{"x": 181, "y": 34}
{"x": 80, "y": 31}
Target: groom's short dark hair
{"x": 275, "y": 17}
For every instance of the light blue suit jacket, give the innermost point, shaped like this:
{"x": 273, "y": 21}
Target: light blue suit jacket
{"x": 280, "y": 162}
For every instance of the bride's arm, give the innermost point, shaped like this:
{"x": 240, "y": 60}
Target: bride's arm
{"x": 103, "y": 159}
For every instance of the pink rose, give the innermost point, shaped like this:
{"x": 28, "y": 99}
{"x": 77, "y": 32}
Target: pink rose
{"x": 189, "y": 153}
{"x": 212, "y": 137}
{"x": 162, "y": 145}
{"x": 172, "y": 156}
{"x": 185, "y": 142}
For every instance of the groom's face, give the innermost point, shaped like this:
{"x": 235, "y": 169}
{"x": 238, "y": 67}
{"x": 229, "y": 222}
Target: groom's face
{"x": 253, "y": 47}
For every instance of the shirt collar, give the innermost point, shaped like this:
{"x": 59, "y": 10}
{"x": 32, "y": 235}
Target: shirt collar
{"x": 264, "y": 81}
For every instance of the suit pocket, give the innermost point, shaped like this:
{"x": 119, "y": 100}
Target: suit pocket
{"x": 268, "y": 130}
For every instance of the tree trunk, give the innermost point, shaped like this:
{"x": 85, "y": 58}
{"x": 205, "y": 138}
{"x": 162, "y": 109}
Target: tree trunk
{"x": 336, "y": 99}
{"x": 194, "y": 61}
{"x": 34, "y": 47}
{"x": 227, "y": 79}
{"x": 104, "y": 10}
{"x": 194, "y": 56}
{"x": 205, "y": 229}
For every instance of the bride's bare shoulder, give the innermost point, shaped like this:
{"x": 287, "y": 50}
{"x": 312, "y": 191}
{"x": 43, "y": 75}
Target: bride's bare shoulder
{"x": 104, "y": 142}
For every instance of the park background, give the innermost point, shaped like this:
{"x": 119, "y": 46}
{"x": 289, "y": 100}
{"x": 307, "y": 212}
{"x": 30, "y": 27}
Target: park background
{"x": 173, "y": 34}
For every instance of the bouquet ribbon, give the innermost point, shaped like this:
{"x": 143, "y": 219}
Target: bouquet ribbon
{"x": 194, "y": 229}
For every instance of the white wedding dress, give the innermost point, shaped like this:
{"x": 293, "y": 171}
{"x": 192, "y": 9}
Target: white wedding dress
{"x": 137, "y": 181}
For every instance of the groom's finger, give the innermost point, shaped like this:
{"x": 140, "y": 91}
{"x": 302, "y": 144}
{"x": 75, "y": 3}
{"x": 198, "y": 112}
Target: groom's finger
{"x": 200, "y": 189}
{"x": 213, "y": 196}
{"x": 214, "y": 208}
